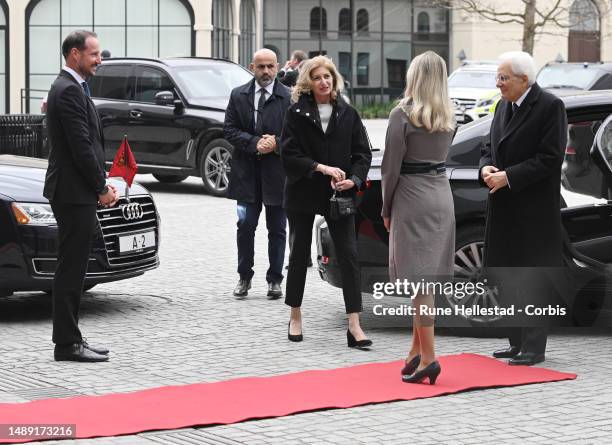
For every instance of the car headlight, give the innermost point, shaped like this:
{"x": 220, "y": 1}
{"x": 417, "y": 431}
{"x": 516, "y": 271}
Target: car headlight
{"x": 485, "y": 103}
{"x": 33, "y": 214}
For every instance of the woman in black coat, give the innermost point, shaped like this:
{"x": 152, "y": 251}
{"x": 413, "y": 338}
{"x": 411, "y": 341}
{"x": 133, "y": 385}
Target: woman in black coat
{"x": 323, "y": 145}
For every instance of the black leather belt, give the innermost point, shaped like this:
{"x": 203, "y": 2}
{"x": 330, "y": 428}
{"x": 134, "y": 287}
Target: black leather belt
{"x": 412, "y": 168}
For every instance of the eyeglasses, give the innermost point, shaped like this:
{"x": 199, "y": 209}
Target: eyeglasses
{"x": 503, "y": 78}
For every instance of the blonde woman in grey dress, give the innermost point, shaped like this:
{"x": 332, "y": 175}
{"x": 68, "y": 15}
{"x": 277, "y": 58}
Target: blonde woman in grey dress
{"x": 418, "y": 206}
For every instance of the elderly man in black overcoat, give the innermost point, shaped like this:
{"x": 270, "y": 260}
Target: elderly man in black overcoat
{"x": 253, "y": 124}
{"x": 521, "y": 165}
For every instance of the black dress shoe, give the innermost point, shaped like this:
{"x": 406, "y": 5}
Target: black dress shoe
{"x": 274, "y": 291}
{"x": 506, "y": 353}
{"x": 353, "y": 343}
{"x": 412, "y": 365}
{"x": 242, "y": 288}
{"x": 97, "y": 349}
{"x": 526, "y": 359}
{"x": 431, "y": 371}
{"x": 77, "y": 352}
{"x": 293, "y": 337}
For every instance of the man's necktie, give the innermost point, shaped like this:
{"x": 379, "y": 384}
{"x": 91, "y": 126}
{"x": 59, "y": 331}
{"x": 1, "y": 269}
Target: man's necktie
{"x": 86, "y": 89}
{"x": 260, "y": 107}
{"x": 515, "y": 108}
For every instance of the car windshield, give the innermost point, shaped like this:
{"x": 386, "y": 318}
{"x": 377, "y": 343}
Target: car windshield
{"x": 567, "y": 76}
{"x": 472, "y": 79}
{"x": 210, "y": 82}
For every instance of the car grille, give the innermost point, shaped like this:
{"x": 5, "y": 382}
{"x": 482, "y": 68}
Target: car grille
{"x": 114, "y": 225}
{"x": 467, "y": 103}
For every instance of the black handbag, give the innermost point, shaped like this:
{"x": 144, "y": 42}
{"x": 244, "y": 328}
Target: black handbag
{"x": 341, "y": 206}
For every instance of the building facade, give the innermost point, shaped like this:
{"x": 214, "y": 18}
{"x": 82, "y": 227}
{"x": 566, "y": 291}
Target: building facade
{"x": 371, "y": 41}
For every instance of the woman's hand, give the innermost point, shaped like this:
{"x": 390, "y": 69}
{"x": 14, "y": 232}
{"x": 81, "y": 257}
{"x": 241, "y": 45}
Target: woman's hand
{"x": 342, "y": 186}
{"x": 387, "y": 223}
{"x": 337, "y": 174}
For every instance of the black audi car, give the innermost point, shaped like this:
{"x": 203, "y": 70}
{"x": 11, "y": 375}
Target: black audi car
{"x": 172, "y": 111}
{"x": 126, "y": 239}
{"x": 586, "y": 213}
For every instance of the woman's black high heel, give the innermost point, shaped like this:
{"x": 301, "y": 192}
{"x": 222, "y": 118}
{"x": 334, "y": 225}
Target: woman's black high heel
{"x": 431, "y": 371}
{"x": 352, "y": 343}
{"x": 412, "y": 365}
{"x": 292, "y": 337}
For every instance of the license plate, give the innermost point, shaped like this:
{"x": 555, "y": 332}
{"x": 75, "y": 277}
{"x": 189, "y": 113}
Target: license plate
{"x": 136, "y": 242}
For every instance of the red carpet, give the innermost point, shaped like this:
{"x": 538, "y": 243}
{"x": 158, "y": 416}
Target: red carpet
{"x": 237, "y": 400}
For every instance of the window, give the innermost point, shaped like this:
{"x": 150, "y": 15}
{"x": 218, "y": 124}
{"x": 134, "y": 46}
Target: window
{"x": 363, "y": 68}
{"x": 126, "y": 28}
{"x": 222, "y": 29}
{"x": 149, "y": 82}
{"x": 344, "y": 65}
{"x": 423, "y": 23}
{"x": 247, "y": 31}
{"x": 345, "y": 25}
{"x": 318, "y": 22}
{"x": 396, "y": 72}
{"x": 4, "y": 59}
{"x": 584, "y": 16}
{"x": 363, "y": 22}
{"x": 110, "y": 82}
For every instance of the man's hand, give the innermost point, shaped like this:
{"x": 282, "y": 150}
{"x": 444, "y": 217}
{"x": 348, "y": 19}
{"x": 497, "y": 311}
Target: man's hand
{"x": 487, "y": 171}
{"x": 110, "y": 198}
{"x": 267, "y": 144}
{"x": 496, "y": 181}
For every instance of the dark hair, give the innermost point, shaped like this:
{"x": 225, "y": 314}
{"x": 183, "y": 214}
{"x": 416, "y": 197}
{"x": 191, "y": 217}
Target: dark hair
{"x": 105, "y": 54}
{"x": 76, "y": 39}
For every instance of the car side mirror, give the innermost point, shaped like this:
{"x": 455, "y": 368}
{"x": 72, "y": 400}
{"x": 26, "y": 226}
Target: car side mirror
{"x": 164, "y": 98}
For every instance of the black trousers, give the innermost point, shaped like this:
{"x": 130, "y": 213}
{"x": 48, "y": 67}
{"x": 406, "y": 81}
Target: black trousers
{"x": 76, "y": 225}
{"x": 529, "y": 339}
{"x": 345, "y": 243}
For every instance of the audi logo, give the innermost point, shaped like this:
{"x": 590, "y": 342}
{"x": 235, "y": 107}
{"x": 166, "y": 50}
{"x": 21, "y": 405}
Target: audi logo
{"x": 131, "y": 211}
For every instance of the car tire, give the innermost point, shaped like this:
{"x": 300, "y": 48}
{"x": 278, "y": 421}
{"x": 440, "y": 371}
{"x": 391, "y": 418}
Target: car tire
{"x": 215, "y": 166}
{"x": 170, "y": 179}
{"x": 469, "y": 248}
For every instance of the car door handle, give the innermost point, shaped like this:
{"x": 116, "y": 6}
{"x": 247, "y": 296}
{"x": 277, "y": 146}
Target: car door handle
{"x": 136, "y": 113}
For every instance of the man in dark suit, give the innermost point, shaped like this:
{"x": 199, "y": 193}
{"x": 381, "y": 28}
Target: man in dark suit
{"x": 289, "y": 74}
{"x": 521, "y": 165}
{"x": 253, "y": 123}
{"x": 74, "y": 185}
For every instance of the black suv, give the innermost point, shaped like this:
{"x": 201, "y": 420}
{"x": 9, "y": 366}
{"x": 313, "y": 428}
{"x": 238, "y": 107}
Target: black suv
{"x": 586, "y": 214}
{"x": 172, "y": 112}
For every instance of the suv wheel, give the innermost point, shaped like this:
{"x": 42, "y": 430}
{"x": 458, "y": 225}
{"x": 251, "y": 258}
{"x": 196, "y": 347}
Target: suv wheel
{"x": 169, "y": 179}
{"x": 215, "y": 166}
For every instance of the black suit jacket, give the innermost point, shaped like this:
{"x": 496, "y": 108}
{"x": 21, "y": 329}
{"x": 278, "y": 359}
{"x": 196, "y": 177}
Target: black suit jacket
{"x": 239, "y": 130}
{"x": 523, "y": 220}
{"x": 289, "y": 78}
{"x": 76, "y": 162}
{"x": 344, "y": 144}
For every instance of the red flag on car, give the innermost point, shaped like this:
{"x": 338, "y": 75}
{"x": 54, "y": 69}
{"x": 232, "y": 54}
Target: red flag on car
{"x": 124, "y": 164}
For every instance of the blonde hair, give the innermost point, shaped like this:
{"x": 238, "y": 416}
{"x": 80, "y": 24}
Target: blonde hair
{"x": 304, "y": 81}
{"x": 426, "y": 99}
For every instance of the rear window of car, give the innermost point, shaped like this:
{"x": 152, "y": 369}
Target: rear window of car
{"x": 111, "y": 82}
{"x": 210, "y": 80}
{"x": 568, "y": 76}
{"x": 472, "y": 79}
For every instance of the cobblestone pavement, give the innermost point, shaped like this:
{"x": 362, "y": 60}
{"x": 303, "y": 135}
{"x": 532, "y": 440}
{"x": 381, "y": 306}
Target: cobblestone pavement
{"x": 180, "y": 324}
